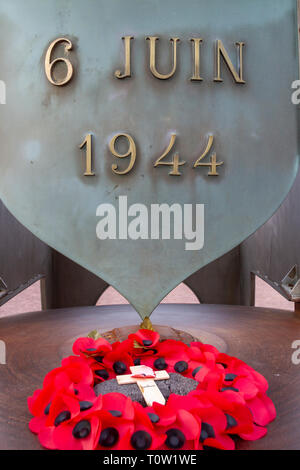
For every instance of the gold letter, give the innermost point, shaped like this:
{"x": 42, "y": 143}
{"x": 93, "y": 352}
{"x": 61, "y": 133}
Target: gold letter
{"x": 49, "y": 65}
{"x": 127, "y": 72}
{"x": 176, "y": 163}
{"x": 196, "y": 75}
{"x": 213, "y": 159}
{"x": 220, "y": 49}
{"x": 131, "y": 151}
{"x": 156, "y": 74}
{"x": 88, "y": 156}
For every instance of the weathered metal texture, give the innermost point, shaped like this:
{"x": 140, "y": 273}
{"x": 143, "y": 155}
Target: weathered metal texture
{"x": 23, "y": 258}
{"x": 274, "y": 249}
{"x": 41, "y": 126}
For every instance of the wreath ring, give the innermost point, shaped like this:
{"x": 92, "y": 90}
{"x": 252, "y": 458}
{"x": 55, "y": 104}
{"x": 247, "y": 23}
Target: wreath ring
{"x": 230, "y": 399}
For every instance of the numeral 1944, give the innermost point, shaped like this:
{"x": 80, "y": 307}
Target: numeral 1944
{"x": 174, "y": 161}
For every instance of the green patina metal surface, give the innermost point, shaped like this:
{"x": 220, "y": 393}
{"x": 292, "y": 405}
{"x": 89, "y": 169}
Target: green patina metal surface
{"x": 41, "y": 126}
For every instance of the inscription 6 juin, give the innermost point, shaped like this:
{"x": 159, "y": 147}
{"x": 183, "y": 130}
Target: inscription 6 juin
{"x": 219, "y": 55}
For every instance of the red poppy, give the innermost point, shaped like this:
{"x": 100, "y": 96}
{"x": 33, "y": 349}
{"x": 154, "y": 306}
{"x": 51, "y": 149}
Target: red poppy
{"x": 37, "y": 405}
{"x": 202, "y": 352}
{"x": 211, "y": 419}
{"x": 257, "y": 433}
{"x": 241, "y": 390}
{"x": 180, "y": 426}
{"x": 101, "y": 373}
{"x": 71, "y": 425}
{"x": 63, "y": 407}
{"x": 74, "y": 370}
{"x": 78, "y": 434}
{"x": 118, "y": 405}
{"x": 213, "y": 428}
{"x": 146, "y": 339}
{"x": 173, "y": 351}
{"x": 240, "y": 368}
{"x": 115, "y": 432}
{"x": 41, "y": 401}
{"x": 170, "y": 353}
{"x": 144, "y": 436}
{"x": 238, "y": 415}
{"x": 210, "y": 379}
{"x": 83, "y": 392}
{"x": 86, "y": 347}
{"x": 118, "y": 363}
{"x": 262, "y": 409}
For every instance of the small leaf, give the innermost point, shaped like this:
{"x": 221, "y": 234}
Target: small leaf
{"x": 94, "y": 335}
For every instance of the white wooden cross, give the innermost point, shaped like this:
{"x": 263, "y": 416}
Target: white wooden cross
{"x": 146, "y": 382}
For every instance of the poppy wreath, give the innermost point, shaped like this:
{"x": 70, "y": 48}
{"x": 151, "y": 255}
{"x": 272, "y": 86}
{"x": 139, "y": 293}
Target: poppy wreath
{"x": 229, "y": 401}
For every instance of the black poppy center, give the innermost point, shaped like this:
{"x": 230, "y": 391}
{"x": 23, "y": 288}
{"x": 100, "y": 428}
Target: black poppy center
{"x": 222, "y": 364}
{"x": 99, "y": 359}
{"x": 233, "y": 389}
{"x": 175, "y": 439}
{"x": 63, "y": 416}
{"x": 102, "y": 373}
{"x": 160, "y": 364}
{"x": 231, "y": 422}
{"x": 147, "y": 342}
{"x": 207, "y": 431}
{"x": 115, "y": 413}
{"x": 181, "y": 366}
{"x": 109, "y": 437}
{"x": 85, "y": 405}
{"x": 119, "y": 367}
{"x": 47, "y": 409}
{"x": 230, "y": 377}
{"x": 195, "y": 371}
{"x": 154, "y": 418}
{"x": 141, "y": 440}
{"x": 82, "y": 429}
